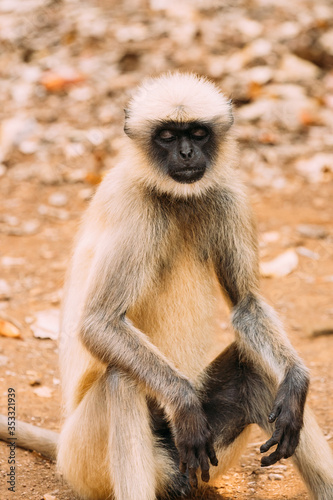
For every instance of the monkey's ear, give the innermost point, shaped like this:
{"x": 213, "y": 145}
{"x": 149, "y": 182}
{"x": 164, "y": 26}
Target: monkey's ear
{"x": 126, "y": 128}
{"x": 231, "y": 115}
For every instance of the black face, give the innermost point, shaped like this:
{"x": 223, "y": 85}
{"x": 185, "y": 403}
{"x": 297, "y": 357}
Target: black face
{"x": 183, "y": 150}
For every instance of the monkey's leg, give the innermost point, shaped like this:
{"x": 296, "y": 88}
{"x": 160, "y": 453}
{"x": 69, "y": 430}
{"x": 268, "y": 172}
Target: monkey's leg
{"x": 237, "y": 394}
{"x": 138, "y": 467}
{"x": 106, "y": 447}
{"x": 83, "y": 444}
{"x": 224, "y": 395}
{"x": 234, "y": 395}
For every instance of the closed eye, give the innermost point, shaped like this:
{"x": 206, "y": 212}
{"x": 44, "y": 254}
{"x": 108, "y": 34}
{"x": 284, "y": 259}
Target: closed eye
{"x": 166, "y": 135}
{"x": 199, "y": 133}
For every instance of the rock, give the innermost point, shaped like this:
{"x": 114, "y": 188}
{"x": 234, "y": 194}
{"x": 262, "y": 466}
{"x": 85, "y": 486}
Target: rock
{"x": 5, "y": 290}
{"x": 28, "y": 228}
{"x": 47, "y": 496}
{"x": 53, "y": 212}
{"x": 259, "y": 74}
{"x": 43, "y": 392}
{"x": 295, "y": 69}
{"x": 3, "y": 360}
{"x": 46, "y": 325}
{"x": 313, "y": 231}
{"x": 275, "y": 477}
{"x": 282, "y": 265}
{"x": 86, "y": 193}
{"x": 280, "y": 467}
{"x": 326, "y": 41}
{"x": 308, "y": 253}
{"x": 58, "y": 199}
{"x": 270, "y": 236}
{"x": 318, "y": 168}
{"x": 14, "y": 132}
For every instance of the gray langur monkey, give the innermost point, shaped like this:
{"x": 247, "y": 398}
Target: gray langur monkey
{"x": 146, "y": 406}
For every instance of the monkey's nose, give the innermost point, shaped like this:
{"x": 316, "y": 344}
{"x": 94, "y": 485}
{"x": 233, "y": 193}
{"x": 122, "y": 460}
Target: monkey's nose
{"x": 185, "y": 149}
{"x": 186, "y": 153}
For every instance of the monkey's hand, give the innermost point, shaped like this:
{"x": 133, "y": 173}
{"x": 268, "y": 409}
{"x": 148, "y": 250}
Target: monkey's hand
{"x": 194, "y": 442}
{"x": 287, "y": 413}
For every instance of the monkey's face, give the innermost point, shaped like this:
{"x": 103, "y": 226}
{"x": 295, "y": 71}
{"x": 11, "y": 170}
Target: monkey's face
{"x": 183, "y": 150}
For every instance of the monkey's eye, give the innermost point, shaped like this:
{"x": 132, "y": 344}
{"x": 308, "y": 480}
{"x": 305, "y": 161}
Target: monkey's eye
{"x": 199, "y": 133}
{"x": 166, "y": 135}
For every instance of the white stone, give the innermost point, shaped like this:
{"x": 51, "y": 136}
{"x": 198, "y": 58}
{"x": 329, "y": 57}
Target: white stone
{"x": 282, "y": 265}
{"x": 46, "y": 325}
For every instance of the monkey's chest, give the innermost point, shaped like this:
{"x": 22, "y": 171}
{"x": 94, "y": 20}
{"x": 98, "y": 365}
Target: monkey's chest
{"x": 179, "y": 313}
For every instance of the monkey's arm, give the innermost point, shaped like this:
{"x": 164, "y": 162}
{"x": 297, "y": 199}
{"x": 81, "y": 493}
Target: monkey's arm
{"x": 122, "y": 271}
{"x": 258, "y": 330}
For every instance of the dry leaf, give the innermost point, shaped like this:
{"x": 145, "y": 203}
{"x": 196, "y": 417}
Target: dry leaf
{"x": 93, "y": 178}
{"x": 58, "y": 81}
{"x": 7, "y": 329}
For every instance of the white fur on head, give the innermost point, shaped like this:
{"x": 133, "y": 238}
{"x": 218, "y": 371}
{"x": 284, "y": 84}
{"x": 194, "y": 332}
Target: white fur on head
{"x": 181, "y": 97}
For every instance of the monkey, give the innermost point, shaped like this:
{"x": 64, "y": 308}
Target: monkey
{"x": 149, "y": 412}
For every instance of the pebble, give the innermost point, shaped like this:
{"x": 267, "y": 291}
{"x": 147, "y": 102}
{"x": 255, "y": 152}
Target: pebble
{"x": 28, "y": 228}
{"x": 57, "y": 213}
{"x": 308, "y": 253}
{"x": 58, "y": 199}
{"x": 3, "y": 360}
{"x": 43, "y": 391}
{"x": 46, "y": 325}
{"x": 280, "y": 467}
{"x": 313, "y": 231}
{"x": 7, "y": 261}
{"x": 86, "y": 193}
{"x": 5, "y": 290}
{"x": 275, "y": 477}
{"x": 281, "y": 266}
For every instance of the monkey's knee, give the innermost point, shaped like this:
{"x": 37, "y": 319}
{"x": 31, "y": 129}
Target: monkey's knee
{"x": 83, "y": 446}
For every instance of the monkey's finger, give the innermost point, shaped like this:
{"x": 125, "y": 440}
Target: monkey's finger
{"x": 291, "y": 446}
{"x": 193, "y": 477}
{"x": 274, "y": 413}
{"x": 183, "y": 467}
{"x": 204, "y": 465}
{"x": 271, "y": 459}
{"x": 211, "y": 454}
{"x": 275, "y": 439}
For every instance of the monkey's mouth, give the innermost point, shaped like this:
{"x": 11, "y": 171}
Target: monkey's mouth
{"x": 188, "y": 175}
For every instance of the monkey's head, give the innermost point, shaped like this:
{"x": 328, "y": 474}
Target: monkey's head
{"x": 179, "y": 122}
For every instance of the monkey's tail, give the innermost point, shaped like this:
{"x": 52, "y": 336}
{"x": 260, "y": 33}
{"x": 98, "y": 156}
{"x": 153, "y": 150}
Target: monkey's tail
{"x": 30, "y": 437}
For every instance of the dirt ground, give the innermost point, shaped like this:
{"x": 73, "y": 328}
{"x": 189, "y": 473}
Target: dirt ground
{"x": 61, "y": 130}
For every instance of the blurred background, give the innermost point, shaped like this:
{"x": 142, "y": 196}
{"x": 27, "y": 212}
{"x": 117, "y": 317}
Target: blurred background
{"x": 67, "y": 68}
